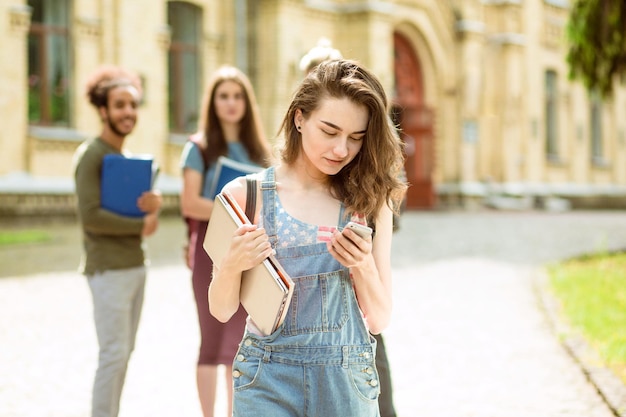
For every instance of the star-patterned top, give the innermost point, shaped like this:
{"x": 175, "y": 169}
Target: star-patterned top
{"x": 298, "y": 233}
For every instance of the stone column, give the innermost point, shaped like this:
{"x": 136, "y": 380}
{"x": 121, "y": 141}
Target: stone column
{"x": 87, "y": 55}
{"x": 14, "y": 24}
{"x": 471, "y": 29}
{"x": 510, "y": 41}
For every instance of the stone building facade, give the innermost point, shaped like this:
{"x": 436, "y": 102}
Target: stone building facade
{"x": 479, "y": 88}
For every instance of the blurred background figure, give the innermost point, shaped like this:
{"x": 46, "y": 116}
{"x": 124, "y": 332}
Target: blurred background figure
{"x": 229, "y": 126}
{"x": 323, "y": 51}
{"x": 114, "y": 258}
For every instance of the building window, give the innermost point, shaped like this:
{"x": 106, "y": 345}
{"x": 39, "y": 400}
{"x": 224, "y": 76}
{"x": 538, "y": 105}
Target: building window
{"x": 49, "y": 63}
{"x": 184, "y": 66}
{"x": 595, "y": 111}
{"x": 551, "y": 116}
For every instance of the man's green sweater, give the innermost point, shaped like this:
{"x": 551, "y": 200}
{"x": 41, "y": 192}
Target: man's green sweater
{"x": 110, "y": 241}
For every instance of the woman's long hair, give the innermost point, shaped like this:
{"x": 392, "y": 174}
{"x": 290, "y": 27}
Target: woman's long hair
{"x": 373, "y": 178}
{"x": 251, "y": 134}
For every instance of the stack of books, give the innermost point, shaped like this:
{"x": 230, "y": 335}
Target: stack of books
{"x": 266, "y": 289}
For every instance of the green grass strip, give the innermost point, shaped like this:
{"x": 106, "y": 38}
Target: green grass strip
{"x": 592, "y": 291}
{"x": 23, "y": 236}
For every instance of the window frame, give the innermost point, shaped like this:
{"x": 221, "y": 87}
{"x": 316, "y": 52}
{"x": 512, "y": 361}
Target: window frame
{"x": 596, "y": 131}
{"x": 183, "y": 103}
{"x": 551, "y": 108}
{"x": 40, "y": 37}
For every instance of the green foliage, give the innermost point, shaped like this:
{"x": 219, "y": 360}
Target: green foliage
{"x": 592, "y": 292}
{"x": 596, "y": 32}
{"x": 25, "y": 236}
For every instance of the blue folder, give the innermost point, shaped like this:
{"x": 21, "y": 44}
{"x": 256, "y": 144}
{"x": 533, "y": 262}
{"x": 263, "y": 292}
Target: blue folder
{"x": 123, "y": 180}
{"x": 226, "y": 170}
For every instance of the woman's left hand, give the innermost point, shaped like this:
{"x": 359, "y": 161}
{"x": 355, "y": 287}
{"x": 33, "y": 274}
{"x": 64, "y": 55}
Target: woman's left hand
{"x": 350, "y": 249}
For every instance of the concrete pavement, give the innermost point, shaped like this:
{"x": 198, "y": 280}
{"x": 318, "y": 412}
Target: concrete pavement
{"x": 468, "y": 336}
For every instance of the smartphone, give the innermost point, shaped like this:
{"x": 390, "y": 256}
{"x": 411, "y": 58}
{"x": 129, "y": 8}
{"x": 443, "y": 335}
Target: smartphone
{"x": 359, "y": 229}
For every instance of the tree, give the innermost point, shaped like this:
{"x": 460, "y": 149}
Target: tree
{"x": 596, "y": 32}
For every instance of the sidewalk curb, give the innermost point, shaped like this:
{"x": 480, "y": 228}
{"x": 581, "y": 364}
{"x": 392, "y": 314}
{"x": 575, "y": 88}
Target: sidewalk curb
{"x": 607, "y": 384}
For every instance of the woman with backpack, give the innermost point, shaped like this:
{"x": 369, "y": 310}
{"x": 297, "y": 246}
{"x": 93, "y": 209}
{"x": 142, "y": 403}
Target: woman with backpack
{"x": 230, "y": 126}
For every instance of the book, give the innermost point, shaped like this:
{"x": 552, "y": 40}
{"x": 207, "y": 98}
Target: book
{"x": 266, "y": 289}
{"x": 226, "y": 170}
{"x": 123, "y": 180}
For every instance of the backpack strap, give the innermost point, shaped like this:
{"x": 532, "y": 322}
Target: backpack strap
{"x": 250, "y": 197}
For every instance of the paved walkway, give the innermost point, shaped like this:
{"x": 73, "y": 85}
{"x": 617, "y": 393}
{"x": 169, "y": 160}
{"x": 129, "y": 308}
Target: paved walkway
{"x": 468, "y": 338}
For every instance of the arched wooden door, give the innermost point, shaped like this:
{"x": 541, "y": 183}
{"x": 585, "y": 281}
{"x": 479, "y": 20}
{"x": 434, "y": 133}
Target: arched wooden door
{"x": 416, "y": 124}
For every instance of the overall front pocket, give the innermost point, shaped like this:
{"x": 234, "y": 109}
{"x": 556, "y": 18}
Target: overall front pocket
{"x": 319, "y": 304}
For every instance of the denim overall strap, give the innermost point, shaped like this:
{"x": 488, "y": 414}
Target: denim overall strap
{"x": 268, "y": 191}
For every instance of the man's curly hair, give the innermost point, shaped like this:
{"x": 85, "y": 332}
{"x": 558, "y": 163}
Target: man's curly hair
{"x": 106, "y": 78}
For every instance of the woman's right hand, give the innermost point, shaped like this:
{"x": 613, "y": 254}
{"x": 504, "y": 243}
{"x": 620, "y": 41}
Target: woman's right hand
{"x": 249, "y": 247}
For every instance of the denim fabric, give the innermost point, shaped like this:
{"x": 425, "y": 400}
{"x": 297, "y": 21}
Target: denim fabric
{"x": 321, "y": 360}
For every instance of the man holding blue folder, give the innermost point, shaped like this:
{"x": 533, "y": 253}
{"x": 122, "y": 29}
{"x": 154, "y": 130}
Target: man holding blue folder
{"x": 113, "y": 259}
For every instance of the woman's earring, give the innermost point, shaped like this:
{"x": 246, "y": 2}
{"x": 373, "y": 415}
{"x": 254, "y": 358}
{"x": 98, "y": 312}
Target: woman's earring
{"x": 298, "y": 127}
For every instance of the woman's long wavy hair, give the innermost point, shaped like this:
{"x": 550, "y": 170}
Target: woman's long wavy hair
{"x": 251, "y": 133}
{"x": 373, "y": 178}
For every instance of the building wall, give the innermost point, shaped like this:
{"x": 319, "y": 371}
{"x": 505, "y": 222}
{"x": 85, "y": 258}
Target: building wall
{"x": 483, "y": 64}
{"x": 103, "y": 32}
{"x": 506, "y": 49}
{"x": 13, "y": 28}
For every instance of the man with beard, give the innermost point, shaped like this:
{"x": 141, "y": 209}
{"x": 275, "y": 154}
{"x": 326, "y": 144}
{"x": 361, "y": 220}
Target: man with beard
{"x": 113, "y": 259}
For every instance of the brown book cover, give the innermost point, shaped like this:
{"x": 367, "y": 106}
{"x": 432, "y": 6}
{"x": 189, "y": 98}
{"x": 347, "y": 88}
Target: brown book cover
{"x": 266, "y": 289}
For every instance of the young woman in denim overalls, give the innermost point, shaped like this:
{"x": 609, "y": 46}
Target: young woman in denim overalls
{"x": 340, "y": 162}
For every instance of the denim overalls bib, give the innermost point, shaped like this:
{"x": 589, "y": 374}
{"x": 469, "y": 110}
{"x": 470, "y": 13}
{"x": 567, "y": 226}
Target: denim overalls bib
{"x": 320, "y": 361}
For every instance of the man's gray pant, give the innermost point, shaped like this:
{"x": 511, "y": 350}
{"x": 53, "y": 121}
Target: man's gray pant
{"x": 117, "y": 302}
